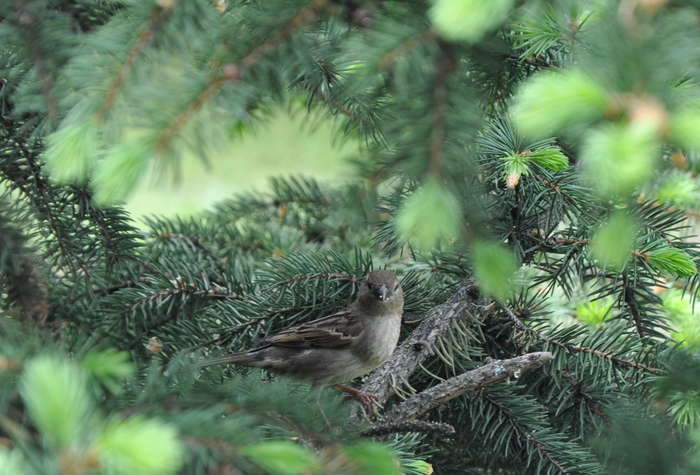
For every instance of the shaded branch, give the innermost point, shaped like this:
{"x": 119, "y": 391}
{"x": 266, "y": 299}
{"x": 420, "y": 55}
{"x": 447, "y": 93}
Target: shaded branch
{"x": 490, "y": 373}
{"x": 615, "y": 360}
{"x": 157, "y": 19}
{"x": 187, "y": 289}
{"x": 234, "y": 72}
{"x": 528, "y": 435}
{"x": 381, "y": 430}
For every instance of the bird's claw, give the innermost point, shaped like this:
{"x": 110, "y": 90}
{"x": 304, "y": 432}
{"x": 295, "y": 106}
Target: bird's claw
{"x": 369, "y": 402}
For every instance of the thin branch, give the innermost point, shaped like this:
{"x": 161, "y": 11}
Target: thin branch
{"x": 157, "y": 19}
{"x": 615, "y": 360}
{"x": 235, "y": 72}
{"x": 444, "y": 67}
{"x": 527, "y": 434}
{"x": 185, "y": 290}
{"x": 405, "y": 46}
{"x": 29, "y": 29}
{"x": 381, "y": 430}
{"x": 307, "y": 277}
{"x": 491, "y": 373}
{"x": 633, "y": 307}
{"x": 196, "y": 243}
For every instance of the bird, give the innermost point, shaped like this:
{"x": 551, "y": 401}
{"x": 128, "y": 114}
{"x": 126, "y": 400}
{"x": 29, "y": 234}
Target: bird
{"x": 339, "y": 347}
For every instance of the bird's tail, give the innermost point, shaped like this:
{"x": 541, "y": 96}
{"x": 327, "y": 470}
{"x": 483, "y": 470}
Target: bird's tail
{"x": 235, "y": 358}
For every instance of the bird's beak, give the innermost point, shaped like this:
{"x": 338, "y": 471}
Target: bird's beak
{"x": 382, "y": 293}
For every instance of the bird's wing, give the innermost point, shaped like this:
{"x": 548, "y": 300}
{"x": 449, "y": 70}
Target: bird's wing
{"x": 334, "y": 331}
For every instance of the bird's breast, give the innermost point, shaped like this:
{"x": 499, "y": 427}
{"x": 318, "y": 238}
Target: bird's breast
{"x": 379, "y": 339}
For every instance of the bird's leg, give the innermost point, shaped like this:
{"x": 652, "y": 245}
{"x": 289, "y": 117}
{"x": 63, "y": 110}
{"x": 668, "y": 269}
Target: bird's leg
{"x": 368, "y": 401}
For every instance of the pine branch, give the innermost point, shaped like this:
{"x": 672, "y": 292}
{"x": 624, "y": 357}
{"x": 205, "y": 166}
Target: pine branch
{"x": 196, "y": 243}
{"x": 615, "y": 360}
{"x": 235, "y": 72}
{"x": 444, "y": 67}
{"x": 490, "y": 373}
{"x": 26, "y": 286}
{"x": 157, "y": 19}
{"x": 381, "y": 430}
{"x": 184, "y": 288}
{"x": 27, "y": 24}
{"x": 405, "y": 46}
{"x": 529, "y": 436}
{"x": 633, "y": 307}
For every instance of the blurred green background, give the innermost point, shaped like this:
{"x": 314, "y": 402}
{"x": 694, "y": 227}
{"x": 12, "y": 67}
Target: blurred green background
{"x": 288, "y": 142}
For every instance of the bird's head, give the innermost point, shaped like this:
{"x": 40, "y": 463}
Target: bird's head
{"x": 381, "y": 291}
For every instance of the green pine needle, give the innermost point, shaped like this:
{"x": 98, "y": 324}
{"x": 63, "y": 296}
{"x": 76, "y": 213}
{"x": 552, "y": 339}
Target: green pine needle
{"x": 55, "y": 392}
{"x": 550, "y": 158}
{"x": 673, "y": 261}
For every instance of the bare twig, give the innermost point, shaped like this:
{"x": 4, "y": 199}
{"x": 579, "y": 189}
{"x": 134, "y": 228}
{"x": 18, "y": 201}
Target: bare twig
{"x": 490, "y": 373}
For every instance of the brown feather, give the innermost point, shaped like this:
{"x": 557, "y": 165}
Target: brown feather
{"x": 334, "y": 331}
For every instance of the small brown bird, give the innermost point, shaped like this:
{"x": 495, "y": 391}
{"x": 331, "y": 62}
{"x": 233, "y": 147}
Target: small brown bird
{"x": 339, "y": 347}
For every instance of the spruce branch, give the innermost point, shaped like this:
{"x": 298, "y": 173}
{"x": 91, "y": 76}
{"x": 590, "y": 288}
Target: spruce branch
{"x": 235, "y": 72}
{"x": 26, "y": 286}
{"x": 418, "y": 345}
{"x": 405, "y": 46}
{"x": 322, "y": 275}
{"x": 615, "y": 360}
{"x": 631, "y": 301}
{"x": 34, "y": 185}
{"x": 528, "y": 434}
{"x": 28, "y": 26}
{"x": 381, "y": 430}
{"x": 196, "y": 243}
{"x": 445, "y": 65}
{"x": 490, "y": 373}
{"x": 157, "y": 19}
{"x": 184, "y": 288}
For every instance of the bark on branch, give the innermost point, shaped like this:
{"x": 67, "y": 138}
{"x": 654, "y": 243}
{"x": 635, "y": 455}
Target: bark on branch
{"x": 417, "y": 347}
{"x": 490, "y": 373}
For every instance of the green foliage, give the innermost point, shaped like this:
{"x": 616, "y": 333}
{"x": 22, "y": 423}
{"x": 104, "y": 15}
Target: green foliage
{"x": 468, "y": 20}
{"x": 139, "y": 446}
{"x": 57, "y": 399}
{"x": 11, "y": 462}
{"x": 673, "y": 261}
{"x": 685, "y": 127}
{"x": 556, "y": 100}
{"x": 429, "y": 216}
{"x": 281, "y": 457}
{"x": 109, "y": 367}
{"x": 678, "y": 189}
{"x": 370, "y": 458}
{"x": 680, "y": 310}
{"x": 618, "y": 159}
{"x": 550, "y": 158}
{"x": 614, "y": 241}
{"x": 449, "y": 189}
{"x": 70, "y": 152}
{"x": 119, "y": 171}
{"x": 595, "y": 312}
{"x": 494, "y": 267}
